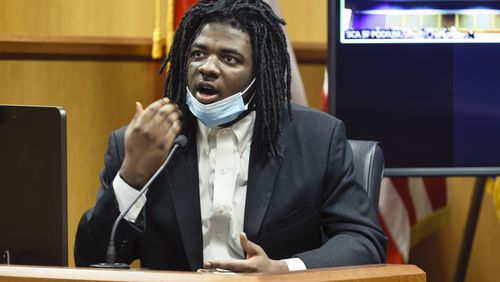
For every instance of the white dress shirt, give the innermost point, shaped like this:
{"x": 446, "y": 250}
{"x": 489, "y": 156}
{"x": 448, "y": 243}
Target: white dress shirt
{"x": 223, "y": 159}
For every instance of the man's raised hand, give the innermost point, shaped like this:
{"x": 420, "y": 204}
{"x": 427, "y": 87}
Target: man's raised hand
{"x": 148, "y": 140}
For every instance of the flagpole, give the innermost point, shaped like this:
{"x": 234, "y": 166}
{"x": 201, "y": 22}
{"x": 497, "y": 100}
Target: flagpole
{"x": 470, "y": 229}
{"x": 157, "y": 52}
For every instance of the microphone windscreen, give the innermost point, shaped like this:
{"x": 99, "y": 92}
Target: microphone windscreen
{"x": 181, "y": 140}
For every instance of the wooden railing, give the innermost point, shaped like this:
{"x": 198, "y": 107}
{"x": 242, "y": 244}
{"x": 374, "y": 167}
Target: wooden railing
{"x": 45, "y": 47}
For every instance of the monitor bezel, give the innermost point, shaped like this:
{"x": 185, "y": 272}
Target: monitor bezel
{"x": 333, "y": 41}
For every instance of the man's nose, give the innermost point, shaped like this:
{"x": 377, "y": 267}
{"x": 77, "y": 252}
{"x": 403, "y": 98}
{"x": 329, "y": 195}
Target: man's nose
{"x": 209, "y": 68}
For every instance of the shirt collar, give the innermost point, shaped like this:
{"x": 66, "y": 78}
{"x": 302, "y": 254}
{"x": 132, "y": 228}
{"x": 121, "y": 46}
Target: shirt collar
{"x": 243, "y": 129}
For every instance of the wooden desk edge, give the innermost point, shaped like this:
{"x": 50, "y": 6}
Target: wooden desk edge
{"x": 386, "y": 273}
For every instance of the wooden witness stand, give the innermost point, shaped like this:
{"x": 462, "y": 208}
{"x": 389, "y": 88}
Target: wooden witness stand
{"x": 372, "y": 273}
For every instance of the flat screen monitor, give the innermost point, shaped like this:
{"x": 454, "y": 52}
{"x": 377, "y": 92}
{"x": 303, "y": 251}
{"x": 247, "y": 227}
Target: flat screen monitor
{"x": 33, "y": 185}
{"x": 421, "y": 77}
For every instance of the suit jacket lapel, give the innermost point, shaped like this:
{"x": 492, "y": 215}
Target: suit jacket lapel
{"x": 262, "y": 175}
{"x": 183, "y": 181}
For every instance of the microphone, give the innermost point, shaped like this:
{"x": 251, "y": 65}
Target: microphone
{"x": 180, "y": 141}
{"x": 6, "y": 257}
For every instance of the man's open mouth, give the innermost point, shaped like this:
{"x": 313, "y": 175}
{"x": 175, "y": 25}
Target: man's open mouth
{"x": 206, "y": 93}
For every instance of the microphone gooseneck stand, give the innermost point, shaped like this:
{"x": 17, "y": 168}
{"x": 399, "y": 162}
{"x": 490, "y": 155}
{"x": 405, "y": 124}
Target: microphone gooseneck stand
{"x": 180, "y": 141}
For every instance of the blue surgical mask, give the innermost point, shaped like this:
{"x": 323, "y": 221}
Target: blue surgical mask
{"x": 220, "y": 112}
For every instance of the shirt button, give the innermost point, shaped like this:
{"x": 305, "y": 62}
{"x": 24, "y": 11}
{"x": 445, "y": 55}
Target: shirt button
{"x": 223, "y": 171}
{"x": 221, "y": 210}
{"x": 223, "y": 132}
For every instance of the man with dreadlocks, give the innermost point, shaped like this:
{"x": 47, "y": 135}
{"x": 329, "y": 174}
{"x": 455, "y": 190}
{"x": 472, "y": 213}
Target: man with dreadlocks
{"x": 262, "y": 185}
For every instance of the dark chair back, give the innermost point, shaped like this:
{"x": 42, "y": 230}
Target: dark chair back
{"x": 369, "y": 165}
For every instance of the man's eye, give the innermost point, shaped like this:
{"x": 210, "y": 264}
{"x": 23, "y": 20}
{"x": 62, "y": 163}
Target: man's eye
{"x": 229, "y": 59}
{"x": 197, "y": 54}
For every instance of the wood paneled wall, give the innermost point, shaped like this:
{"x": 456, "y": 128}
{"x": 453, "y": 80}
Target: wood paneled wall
{"x": 307, "y": 22}
{"x": 438, "y": 254}
{"x": 78, "y": 17}
{"x": 98, "y": 97}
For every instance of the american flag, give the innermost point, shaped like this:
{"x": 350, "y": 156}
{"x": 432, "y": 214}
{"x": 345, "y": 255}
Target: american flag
{"x": 410, "y": 209}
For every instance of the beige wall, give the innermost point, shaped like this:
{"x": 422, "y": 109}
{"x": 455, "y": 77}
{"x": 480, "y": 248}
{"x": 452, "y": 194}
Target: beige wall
{"x": 78, "y": 17}
{"x": 306, "y": 22}
{"x": 99, "y": 97}
{"x": 438, "y": 254}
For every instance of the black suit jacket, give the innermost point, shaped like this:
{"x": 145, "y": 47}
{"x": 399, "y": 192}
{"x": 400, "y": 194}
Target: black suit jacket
{"x": 303, "y": 203}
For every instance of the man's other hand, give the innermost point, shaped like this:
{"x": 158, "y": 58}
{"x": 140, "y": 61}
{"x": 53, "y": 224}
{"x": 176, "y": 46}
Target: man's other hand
{"x": 256, "y": 260}
{"x": 148, "y": 140}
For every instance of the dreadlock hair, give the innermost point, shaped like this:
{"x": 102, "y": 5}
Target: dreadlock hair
{"x": 270, "y": 59}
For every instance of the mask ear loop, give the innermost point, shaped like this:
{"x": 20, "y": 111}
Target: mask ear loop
{"x": 246, "y": 89}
